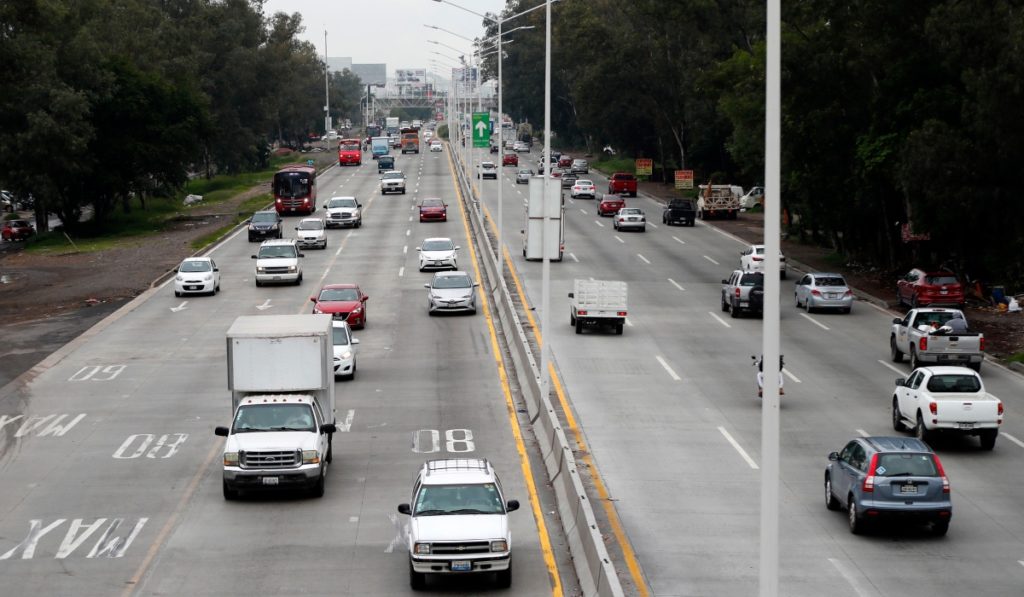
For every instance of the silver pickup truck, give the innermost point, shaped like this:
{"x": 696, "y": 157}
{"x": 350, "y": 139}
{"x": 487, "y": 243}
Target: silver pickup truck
{"x": 918, "y": 336}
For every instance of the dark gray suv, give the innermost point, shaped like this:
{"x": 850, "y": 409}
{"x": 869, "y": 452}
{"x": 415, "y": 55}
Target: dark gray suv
{"x": 876, "y": 478}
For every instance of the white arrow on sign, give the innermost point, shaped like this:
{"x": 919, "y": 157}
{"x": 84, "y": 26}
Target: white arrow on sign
{"x": 180, "y": 307}
{"x": 266, "y": 305}
{"x": 481, "y": 128}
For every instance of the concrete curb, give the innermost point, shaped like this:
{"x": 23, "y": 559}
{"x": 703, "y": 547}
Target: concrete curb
{"x": 593, "y": 564}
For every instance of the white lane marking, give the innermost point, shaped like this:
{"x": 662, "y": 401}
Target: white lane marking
{"x": 678, "y": 241}
{"x": 720, "y": 320}
{"x": 408, "y": 232}
{"x": 179, "y": 307}
{"x": 401, "y": 271}
{"x": 599, "y": 223}
{"x": 1021, "y": 562}
{"x": 812, "y": 320}
{"x": 667, "y": 368}
{"x": 652, "y": 224}
{"x": 862, "y": 433}
{"x": 894, "y": 369}
{"x": 739, "y": 449}
{"x": 711, "y": 260}
{"x": 1011, "y": 438}
{"x": 791, "y": 376}
{"x": 574, "y": 258}
{"x": 628, "y": 322}
{"x": 644, "y": 259}
{"x": 853, "y": 578}
{"x": 353, "y": 519}
{"x": 410, "y": 218}
{"x": 412, "y": 207}
{"x": 619, "y": 239}
{"x": 676, "y": 284}
{"x": 883, "y": 310}
{"x": 266, "y": 305}
{"x": 405, "y": 250}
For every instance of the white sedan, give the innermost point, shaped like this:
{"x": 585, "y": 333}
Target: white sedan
{"x": 311, "y": 232}
{"x": 752, "y": 260}
{"x": 344, "y": 350}
{"x": 583, "y": 188}
{"x": 436, "y": 146}
{"x": 199, "y": 275}
{"x": 438, "y": 253}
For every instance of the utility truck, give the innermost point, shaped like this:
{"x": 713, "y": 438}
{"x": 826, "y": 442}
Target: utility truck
{"x": 281, "y": 378}
{"x": 921, "y": 334}
{"x": 598, "y": 303}
{"x": 544, "y": 227}
{"x": 718, "y": 201}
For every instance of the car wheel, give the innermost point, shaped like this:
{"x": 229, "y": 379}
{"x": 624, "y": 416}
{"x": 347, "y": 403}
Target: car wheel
{"x": 258, "y": 283}
{"x": 975, "y": 366}
{"x": 579, "y": 326}
{"x": 920, "y": 431}
{"x": 618, "y": 329}
{"x": 897, "y": 417}
{"x": 298, "y": 280}
{"x": 504, "y": 577}
{"x": 940, "y": 528}
{"x": 807, "y": 306}
{"x": 783, "y": 272}
{"x": 176, "y": 293}
{"x": 854, "y": 519}
{"x": 895, "y": 354}
{"x": 216, "y": 289}
{"x": 734, "y": 311}
{"x": 318, "y": 487}
{"x": 797, "y": 297}
{"x": 830, "y": 500}
{"x": 417, "y": 580}
{"x": 229, "y": 493}
{"x": 572, "y": 318}
{"x": 988, "y": 439}
{"x": 725, "y": 305}
{"x": 914, "y": 362}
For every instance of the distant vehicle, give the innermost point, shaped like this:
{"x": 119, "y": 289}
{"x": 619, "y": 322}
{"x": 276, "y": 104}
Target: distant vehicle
{"x": 884, "y": 478}
{"x": 294, "y": 189}
{"x": 610, "y": 205}
{"x": 373, "y": 131}
{"x": 380, "y": 146}
{"x": 680, "y": 210}
{"x": 264, "y": 225}
{"x": 753, "y": 197}
{"x": 451, "y": 292}
{"x": 410, "y": 140}
{"x": 923, "y": 336}
{"x": 385, "y": 163}
{"x": 568, "y": 179}
{"x": 433, "y": 210}
{"x": 630, "y": 218}
{"x": 622, "y": 183}
{"x": 565, "y": 161}
{"x": 438, "y": 253}
{"x": 343, "y": 302}
{"x": 543, "y": 228}
{"x": 743, "y": 291}
{"x": 510, "y": 159}
{"x": 521, "y": 147}
{"x": 923, "y": 288}
{"x": 583, "y": 188}
{"x": 823, "y": 291}
{"x": 343, "y": 211}
{"x": 344, "y": 350}
{"x": 598, "y": 303}
{"x": 311, "y": 232}
{"x": 436, "y": 145}
{"x": 391, "y": 125}
{"x": 579, "y": 166}
{"x": 718, "y": 201}
{"x": 277, "y": 261}
{"x": 15, "y": 230}
{"x": 197, "y": 275}
{"x": 949, "y": 400}
{"x": 752, "y": 260}
{"x": 557, "y": 173}
{"x": 350, "y": 152}
{"x": 523, "y": 176}
{"x": 427, "y": 135}
{"x": 392, "y": 181}
{"x": 487, "y": 170}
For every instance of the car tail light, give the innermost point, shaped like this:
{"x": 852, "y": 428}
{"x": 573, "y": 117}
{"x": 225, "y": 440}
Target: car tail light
{"x": 816, "y": 292}
{"x": 942, "y": 473}
{"x": 934, "y": 408}
{"x": 621, "y": 313}
{"x": 868, "y": 485}
{"x": 922, "y": 344}
{"x": 848, "y": 293}
{"x": 758, "y": 258}
{"x": 581, "y": 313}
{"x": 1000, "y": 409}
{"x": 981, "y": 343}
{"x": 737, "y": 293}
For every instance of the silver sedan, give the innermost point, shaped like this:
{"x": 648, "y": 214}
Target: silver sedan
{"x": 451, "y": 292}
{"x": 630, "y": 218}
{"x": 823, "y": 291}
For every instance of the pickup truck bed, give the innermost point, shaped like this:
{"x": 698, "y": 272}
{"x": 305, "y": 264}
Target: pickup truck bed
{"x": 598, "y": 302}
{"x": 934, "y": 347}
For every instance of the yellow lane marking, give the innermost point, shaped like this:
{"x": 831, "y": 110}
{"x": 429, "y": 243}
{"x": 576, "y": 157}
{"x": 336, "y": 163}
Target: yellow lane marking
{"x": 609, "y": 507}
{"x": 524, "y": 459}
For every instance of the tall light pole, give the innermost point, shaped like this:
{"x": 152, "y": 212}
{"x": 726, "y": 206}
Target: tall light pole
{"x": 327, "y": 95}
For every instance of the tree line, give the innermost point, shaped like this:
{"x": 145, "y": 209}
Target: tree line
{"x": 897, "y": 114}
{"x": 108, "y": 102}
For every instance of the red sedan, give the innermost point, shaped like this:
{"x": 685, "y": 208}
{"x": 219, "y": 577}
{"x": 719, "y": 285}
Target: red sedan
{"x": 923, "y": 289}
{"x": 610, "y": 205}
{"x": 345, "y": 302}
{"x": 17, "y": 230}
{"x": 433, "y": 210}
{"x": 564, "y": 161}
{"x": 510, "y": 159}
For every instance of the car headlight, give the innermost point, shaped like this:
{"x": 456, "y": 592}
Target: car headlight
{"x": 346, "y": 355}
{"x": 230, "y": 458}
{"x": 310, "y": 457}
{"x": 422, "y": 549}
{"x": 499, "y": 545}
{"x": 207, "y": 277}
{"x": 316, "y": 310}
{"x": 292, "y": 269}
{"x": 179, "y": 278}
{"x": 261, "y": 270}
{"x": 274, "y": 227}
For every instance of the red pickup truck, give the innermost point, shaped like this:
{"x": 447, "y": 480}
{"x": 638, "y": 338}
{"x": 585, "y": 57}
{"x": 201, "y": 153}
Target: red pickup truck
{"x": 622, "y": 183}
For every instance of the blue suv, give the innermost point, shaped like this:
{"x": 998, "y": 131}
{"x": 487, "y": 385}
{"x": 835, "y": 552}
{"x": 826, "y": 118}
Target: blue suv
{"x": 875, "y": 478}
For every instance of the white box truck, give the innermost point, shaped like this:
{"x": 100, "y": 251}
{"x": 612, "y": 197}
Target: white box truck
{"x": 391, "y": 125}
{"x": 544, "y": 228}
{"x": 598, "y": 303}
{"x": 281, "y": 378}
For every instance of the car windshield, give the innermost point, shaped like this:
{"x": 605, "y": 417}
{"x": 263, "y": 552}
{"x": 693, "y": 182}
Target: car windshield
{"x": 291, "y": 184}
{"x": 339, "y": 294}
{"x": 906, "y": 465}
{"x": 350, "y": 145}
{"x": 311, "y": 225}
{"x": 452, "y": 282}
{"x": 584, "y": 183}
{"x": 487, "y": 165}
{"x": 195, "y": 266}
{"x": 341, "y": 203}
{"x": 19, "y": 223}
{"x": 632, "y": 211}
{"x": 954, "y": 383}
{"x": 274, "y": 417}
{"x": 831, "y": 281}
{"x": 277, "y": 252}
{"x": 340, "y": 336}
{"x": 435, "y": 500}
{"x": 392, "y": 175}
{"x": 432, "y": 203}
{"x": 752, "y": 280}
{"x": 941, "y": 280}
{"x": 437, "y": 245}
{"x": 526, "y": 172}
{"x": 264, "y": 217}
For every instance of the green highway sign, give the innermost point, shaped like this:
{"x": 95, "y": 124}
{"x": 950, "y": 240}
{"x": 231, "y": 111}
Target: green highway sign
{"x": 481, "y": 129}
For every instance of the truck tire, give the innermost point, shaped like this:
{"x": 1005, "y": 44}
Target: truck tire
{"x": 914, "y": 362}
{"x": 417, "y": 580}
{"x": 725, "y": 305}
{"x": 940, "y": 528}
{"x": 229, "y": 493}
{"x": 897, "y": 417}
{"x": 854, "y": 519}
{"x": 988, "y": 439}
{"x": 503, "y": 578}
{"x": 618, "y": 329}
{"x": 894, "y": 353}
{"x": 318, "y": 487}
{"x": 579, "y": 326}
{"x": 572, "y": 318}
{"x": 920, "y": 431}
{"x": 975, "y": 366}
{"x": 734, "y": 311}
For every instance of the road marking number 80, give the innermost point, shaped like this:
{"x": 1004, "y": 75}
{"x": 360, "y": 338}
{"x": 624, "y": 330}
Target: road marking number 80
{"x": 428, "y": 441}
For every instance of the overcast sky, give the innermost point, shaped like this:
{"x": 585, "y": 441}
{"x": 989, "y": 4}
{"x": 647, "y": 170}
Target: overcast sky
{"x": 388, "y": 31}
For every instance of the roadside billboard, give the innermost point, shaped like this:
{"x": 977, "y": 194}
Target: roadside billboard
{"x": 644, "y": 166}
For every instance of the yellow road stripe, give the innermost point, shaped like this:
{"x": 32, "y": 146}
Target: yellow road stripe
{"x": 609, "y": 507}
{"x": 524, "y": 460}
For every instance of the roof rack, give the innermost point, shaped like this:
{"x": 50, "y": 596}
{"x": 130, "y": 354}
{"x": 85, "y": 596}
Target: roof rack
{"x": 458, "y": 464}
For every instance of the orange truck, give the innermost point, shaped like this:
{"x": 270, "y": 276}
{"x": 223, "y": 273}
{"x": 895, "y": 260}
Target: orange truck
{"x": 410, "y": 140}
{"x": 350, "y": 152}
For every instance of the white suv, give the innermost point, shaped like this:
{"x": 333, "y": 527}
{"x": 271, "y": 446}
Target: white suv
{"x": 393, "y": 181}
{"x": 278, "y": 262}
{"x": 459, "y": 522}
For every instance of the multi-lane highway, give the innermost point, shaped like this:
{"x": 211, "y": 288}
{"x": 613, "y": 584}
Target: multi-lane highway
{"x": 671, "y": 418}
{"x": 111, "y": 472}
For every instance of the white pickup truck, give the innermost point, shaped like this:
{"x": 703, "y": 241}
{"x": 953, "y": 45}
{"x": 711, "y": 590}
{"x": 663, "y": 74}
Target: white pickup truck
{"x": 598, "y": 303}
{"x": 935, "y": 346}
{"x": 946, "y": 399}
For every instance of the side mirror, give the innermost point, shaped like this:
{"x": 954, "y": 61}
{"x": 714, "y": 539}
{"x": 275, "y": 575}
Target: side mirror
{"x": 833, "y": 456}
{"x": 897, "y": 321}
{"x": 457, "y": 247}
{"x": 404, "y": 509}
{"x": 359, "y": 204}
{"x": 328, "y": 428}
{"x": 216, "y": 269}
{"x": 901, "y": 381}
{"x": 572, "y": 295}
{"x": 418, "y": 249}
{"x": 296, "y": 227}
{"x": 302, "y": 254}
{"x": 476, "y": 284}
{"x": 312, "y": 298}
{"x": 176, "y": 270}
{"x": 426, "y": 285}
{"x": 725, "y": 281}
{"x": 355, "y": 340}
{"x": 254, "y": 257}
{"x": 512, "y": 505}
{"x": 221, "y": 431}
{"x": 325, "y": 206}
{"x": 365, "y": 298}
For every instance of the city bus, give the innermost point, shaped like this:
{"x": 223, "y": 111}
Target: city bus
{"x": 295, "y": 189}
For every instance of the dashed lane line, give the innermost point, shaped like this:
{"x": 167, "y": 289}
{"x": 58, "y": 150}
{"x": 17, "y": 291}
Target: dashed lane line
{"x": 739, "y": 448}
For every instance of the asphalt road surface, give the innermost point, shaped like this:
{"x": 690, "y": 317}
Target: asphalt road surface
{"x": 111, "y": 472}
{"x": 671, "y": 416}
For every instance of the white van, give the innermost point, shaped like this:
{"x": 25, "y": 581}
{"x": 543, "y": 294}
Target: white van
{"x": 277, "y": 262}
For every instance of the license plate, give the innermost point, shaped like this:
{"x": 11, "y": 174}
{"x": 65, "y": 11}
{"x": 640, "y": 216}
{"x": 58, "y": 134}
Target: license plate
{"x": 908, "y": 488}
{"x": 966, "y": 425}
{"x": 277, "y": 277}
{"x": 831, "y": 295}
{"x": 461, "y": 566}
{"x": 943, "y": 292}
{"x": 271, "y": 480}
